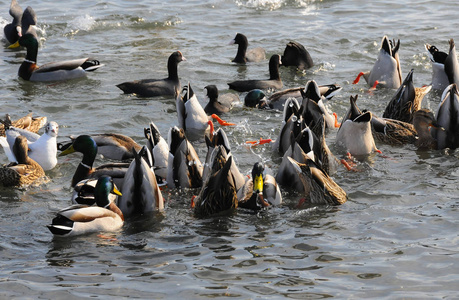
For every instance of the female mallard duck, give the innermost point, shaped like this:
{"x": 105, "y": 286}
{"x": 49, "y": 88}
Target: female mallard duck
{"x": 85, "y": 144}
{"x": 159, "y": 150}
{"x": 310, "y": 179}
{"x": 110, "y": 145}
{"x": 386, "y": 71}
{"x": 13, "y": 30}
{"x": 448, "y": 119}
{"x": 218, "y": 194}
{"x": 243, "y": 56}
{"x": 219, "y": 104}
{"x": 54, "y": 71}
{"x": 157, "y": 87}
{"x": 445, "y": 68}
{"x": 184, "y": 166}
{"x": 42, "y": 149}
{"x": 296, "y": 55}
{"x": 406, "y": 101}
{"x": 26, "y": 171}
{"x": 82, "y": 219}
{"x": 355, "y": 134}
{"x": 141, "y": 193}
{"x": 274, "y": 81}
{"x": 261, "y": 190}
{"x": 29, "y": 123}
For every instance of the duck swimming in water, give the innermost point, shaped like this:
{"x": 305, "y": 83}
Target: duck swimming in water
{"x": 243, "y": 55}
{"x": 55, "y": 71}
{"x": 83, "y": 219}
{"x": 219, "y": 104}
{"x": 29, "y": 123}
{"x": 169, "y": 86}
{"x": 274, "y": 81}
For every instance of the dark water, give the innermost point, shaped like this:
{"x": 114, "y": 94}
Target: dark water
{"x": 396, "y": 237}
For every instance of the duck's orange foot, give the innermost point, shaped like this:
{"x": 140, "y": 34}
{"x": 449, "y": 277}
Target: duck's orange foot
{"x": 357, "y": 79}
{"x": 337, "y": 124}
{"x": 349, "y": 164}
{"x": 220, "y": 121}
{"x": 374, "y": 86}
{"x": 192, "y": 201}
{"x": 259, "y": 142}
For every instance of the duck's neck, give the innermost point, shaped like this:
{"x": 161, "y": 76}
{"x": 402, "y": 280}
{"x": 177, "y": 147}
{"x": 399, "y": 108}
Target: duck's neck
{"x": 240, "y": 55}
{"x": 30, "y": 63}
{"x": 84, "y": 169}
{"x": 172, "y": 69}
{"x": 112, "y": 206}
{"x": 274, "y": 69}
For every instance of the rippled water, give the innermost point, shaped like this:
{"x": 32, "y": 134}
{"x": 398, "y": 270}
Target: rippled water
{"x": 396, "y": 237}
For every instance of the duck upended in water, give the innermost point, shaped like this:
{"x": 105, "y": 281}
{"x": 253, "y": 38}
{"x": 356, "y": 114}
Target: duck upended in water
{"x": 26, "y": 171}
{"x": 448, "y": 119}
{"x": 308, "y": 178}
{"x": 13, "y": 30}
{"x": 218, "y": 193}
{"x": 82, "y": 219}
{"x": 141, "y": 193}
{"x": 445, "y": 67}
{"x": 191, "y": 116}
{"x": 159, "y": 151}
{"x": 42, "y": 149}
{"x": 169, "y": 86}
{"x": 386, "y": 71}
{"x": 261, "y": 190}
{"x": 355, "y": 134}
{"x": 274, "y": 81}
{"x": 296, "y": 55}
{"x": 55, "y": 71}
{"x": 243, "y": 55}
{"x": 406, "y": 101}
{"x": 184, "y": 166}
{"x": 219, "y": 104}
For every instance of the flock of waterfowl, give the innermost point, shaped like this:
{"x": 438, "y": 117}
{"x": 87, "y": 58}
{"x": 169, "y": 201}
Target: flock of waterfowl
{"x": 145, "y": 171}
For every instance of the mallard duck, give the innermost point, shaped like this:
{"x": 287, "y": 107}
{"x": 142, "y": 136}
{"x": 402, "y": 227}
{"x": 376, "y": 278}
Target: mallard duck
{"x": 274, "y": 81}
{"x": 54, "y": 71}
{"x": 141, "y": 192}
{"x": 85, "y": 144}
{"x": 448, "y": 119}
{"x": 159, "y": 150}
{"x": 219, "y": 104}
{"x": 13, "y": 30}
{"x": 26, "y": 171}
{"x": 314, "y": 110}
{"x": 386, "y": 71}
{"x": 243, "y": 55}
{"x": 310, "y": 179}
{"x": 296, "y": 55}
{"x": 445, "y": 68}
{"x": 406, "y": 101}
{"x": 191, "y": 116}
{"x": 184, "y": 165}
{"x": 110, "y": 145}
{"x": 32, "y": 124}
{"x": 157, "y": 87}
{"x": 82, "y": 219}
{"x": 292, "y": 125}
{"x": 218, "y": 194}
{"x": 423, "y": 121}
{"x": 261, "y": 190}
{"x": 83, "y": 192}
{"x": 42, "y": 149}
{"x": 355, "y": 134}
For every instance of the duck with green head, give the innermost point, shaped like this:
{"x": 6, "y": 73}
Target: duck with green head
{"x": 83, "y": 219}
